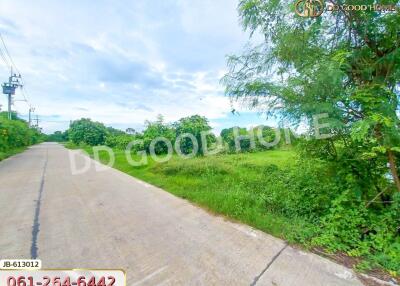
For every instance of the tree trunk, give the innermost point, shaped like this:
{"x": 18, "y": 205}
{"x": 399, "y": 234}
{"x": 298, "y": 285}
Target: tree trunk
{"x": 393, "y": 169}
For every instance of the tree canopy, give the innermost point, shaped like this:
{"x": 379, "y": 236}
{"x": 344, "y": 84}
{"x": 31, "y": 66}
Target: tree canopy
{"x": 87, "y": 131}
{"x": 193, "y": 125}
{"x": 344, "y": 63}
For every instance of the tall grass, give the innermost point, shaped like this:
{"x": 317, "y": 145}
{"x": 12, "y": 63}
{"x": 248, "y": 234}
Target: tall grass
{"x": 228, "y": 184}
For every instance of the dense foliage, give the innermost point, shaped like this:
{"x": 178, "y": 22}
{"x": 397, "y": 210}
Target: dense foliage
{"x": 257, "y": 138}
{"x": 57, "y": 136}
{"x": 93, "y": 133}
{"x": 121, "y": 141}
{"x": 193, "y": 125}
{"x": 16, "y": 134}
{"x": 228, "y": 137}
{"x": 155, "y": 130}
{"x": 88, "y": 132}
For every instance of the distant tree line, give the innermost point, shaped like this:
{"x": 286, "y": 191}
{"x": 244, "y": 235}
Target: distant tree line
{"x": 88, "y": 132}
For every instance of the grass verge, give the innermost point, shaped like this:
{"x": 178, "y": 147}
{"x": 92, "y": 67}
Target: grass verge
{"x": 227, "y": 184}
{"x": 9, "y": 153}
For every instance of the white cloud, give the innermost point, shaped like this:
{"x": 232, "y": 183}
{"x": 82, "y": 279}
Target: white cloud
{"x": 121, "y": 62}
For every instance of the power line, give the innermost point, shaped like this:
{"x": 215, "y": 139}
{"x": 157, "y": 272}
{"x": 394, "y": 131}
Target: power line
{"x": 31, "y": 110}
{"x": 37, "y": 121}
{"x": 25, "y": 93}
{"x": 8, "y": 54}
{"x": 7, "y": 65}
{"x": 24, "y": 90}
{"x": 21, "y": 83}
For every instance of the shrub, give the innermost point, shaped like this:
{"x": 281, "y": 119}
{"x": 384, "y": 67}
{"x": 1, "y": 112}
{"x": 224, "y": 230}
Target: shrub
{"x": 195, "y": 168}
{"x": 228, "y": 137}
{"x": 57, "y": 136}
{"x": 304, "y": 190}
{"x": 86, "y": 131}
{"x": 121, "y": 141}
{"x": 314, "y": 190}
{"x": 361, "y": 230}
{"x": 193, "y": 125}
{"x": 16, "y": 133}
{"x": 158, "y": 129}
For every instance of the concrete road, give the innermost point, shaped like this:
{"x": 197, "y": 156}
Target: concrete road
{"x": 106, "y": 219}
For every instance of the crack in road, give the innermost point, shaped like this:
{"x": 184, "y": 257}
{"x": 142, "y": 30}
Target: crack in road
{"x": 268, "y": 266}
{"x": 36, "y": 223}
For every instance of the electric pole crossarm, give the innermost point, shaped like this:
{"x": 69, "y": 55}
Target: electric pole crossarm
{"x": 9, "y": 89}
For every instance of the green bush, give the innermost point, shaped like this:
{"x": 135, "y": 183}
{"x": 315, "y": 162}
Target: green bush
{"x": 228, "y": 138}
{"x": 16, "y": 134}
{"x": 57, "y": 136}
{"x": 121, "y": 141}
{"x": 268, "y": 134}
{"x": 314, "y": 190}
{"x": 158, "y": 129}
{"x": 193, "y": 125}
{"x": 304, "y": 189}
{"x": 86, "y": 131}
{"x": 194, "y": 168}
{"x": 361, "y": 230}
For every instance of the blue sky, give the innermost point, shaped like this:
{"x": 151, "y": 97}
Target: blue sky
{"x": 124, "y": 62}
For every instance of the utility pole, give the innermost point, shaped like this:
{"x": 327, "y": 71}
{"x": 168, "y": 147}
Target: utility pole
{"x": 9, "y": 89}
{"x": 37, "y": 121}
{"x": 31, "y": 109}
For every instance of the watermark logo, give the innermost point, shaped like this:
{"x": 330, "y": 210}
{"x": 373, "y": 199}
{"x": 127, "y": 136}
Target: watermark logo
{"x": 309, "y": 8}
{"x": 315, "y": 8}
{"x": 382, "y": 8}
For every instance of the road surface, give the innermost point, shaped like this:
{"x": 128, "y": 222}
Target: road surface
{"x": 107, "y": 219}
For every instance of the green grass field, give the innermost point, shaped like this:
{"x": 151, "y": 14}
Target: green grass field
{"x": 227, "y": 184}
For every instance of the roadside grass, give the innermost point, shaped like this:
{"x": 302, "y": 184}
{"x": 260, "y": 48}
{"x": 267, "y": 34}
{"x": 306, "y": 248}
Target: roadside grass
{"x": 9, "y": 153}
{"x": 227, "y": 184}
{"x": 74, "y": 146}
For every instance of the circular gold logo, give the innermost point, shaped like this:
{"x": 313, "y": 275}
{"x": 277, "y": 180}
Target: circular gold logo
{"x": 309, "y": 8}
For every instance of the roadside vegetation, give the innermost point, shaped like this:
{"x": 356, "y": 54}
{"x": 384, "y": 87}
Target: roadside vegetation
{"x": 16, "y": 135}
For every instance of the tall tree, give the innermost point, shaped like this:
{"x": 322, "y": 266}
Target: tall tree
{"x": 158, "y": 129}
{"x": 193, "y": 125}
{"x": 87, "y": 131}
{"x": 344, "y": 63}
